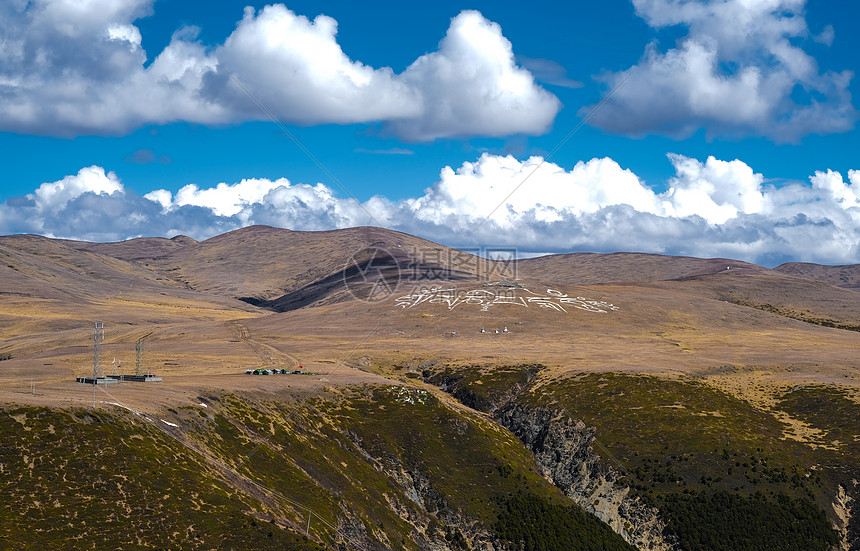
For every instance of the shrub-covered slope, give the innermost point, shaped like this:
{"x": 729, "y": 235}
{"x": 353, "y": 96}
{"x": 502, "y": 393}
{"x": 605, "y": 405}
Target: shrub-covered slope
{"x": 721, "y": 472}
{"x": 375, "y": 468}
{"x": 104, "y": 480}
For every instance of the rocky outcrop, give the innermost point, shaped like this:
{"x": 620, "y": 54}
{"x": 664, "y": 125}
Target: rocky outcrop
{"x": 562, "y": 447}
{"x": 563, "y": 450}
{"x": 442, "y": 528}
{"x": 458, "y": 532}
{"x": 845, "y": 507}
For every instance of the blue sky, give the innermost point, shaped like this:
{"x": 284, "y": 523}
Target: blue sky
{"x": 734, "y": 133}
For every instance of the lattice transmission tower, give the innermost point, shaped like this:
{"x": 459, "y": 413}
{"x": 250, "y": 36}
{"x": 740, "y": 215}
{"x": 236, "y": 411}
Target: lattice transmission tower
{"x": 98, "y": 339}
{"x": 139, "y": 349}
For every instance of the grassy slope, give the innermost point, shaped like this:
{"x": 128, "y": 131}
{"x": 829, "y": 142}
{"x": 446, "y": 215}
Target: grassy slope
{"x": 93, "y": 480}
{"x": 360, "y": 463}
{"x": 707, "y": 459}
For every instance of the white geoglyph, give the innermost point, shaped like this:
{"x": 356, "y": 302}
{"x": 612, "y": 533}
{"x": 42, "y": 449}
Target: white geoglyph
{"x": 486, "y": 298}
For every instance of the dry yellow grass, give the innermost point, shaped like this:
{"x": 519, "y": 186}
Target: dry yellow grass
{"x": 689, "y": 327}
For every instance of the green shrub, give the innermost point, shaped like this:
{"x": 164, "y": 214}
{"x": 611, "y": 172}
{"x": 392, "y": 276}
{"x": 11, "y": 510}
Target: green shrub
{"x": 726, "y": 521}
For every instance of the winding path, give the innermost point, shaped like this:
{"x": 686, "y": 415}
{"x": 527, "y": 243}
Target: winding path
{"x": 268, "y": 354}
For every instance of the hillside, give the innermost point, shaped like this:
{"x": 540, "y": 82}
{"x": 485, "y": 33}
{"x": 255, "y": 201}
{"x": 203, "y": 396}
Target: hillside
{"x": 594, "y": 268}
{"x": 457, "y": 402}
{"x": 840, "y": 276}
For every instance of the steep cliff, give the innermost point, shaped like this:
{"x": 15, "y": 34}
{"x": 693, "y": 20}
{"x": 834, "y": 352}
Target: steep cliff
{"x": 846, "y": 508}
{"x": 563, "y": 449}
{"x": 684, "y": 465}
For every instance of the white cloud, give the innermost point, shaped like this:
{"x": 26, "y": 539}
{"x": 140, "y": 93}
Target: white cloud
{"x": 716, "y": 190}
{"x": 225, "y": 199}
{"x": 548, "y": 193}
{"x": 737, "y": 72}
{"x": 161, "y": 196}
{"x": 73, "y": 68}
{"x": 317, "y": 208}
{"x": 92, "y": 179}
{"x": 710, "y": 208}
{"x": 472, "y": 85}
{"x": 846, "y": 195}
{"x": 278, "y": 203}
{"x": 296, "y": 67}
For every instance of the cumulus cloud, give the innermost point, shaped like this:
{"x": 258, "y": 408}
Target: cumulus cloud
{"x": 223, "y": 199}
{"x": 709, "y": 208}
{"x": 739, "y": 71}
{"x": 56, "y": 195}
{"x": 72, "y": 68}
{"x": 845, "y": 194}
{"x": 472, "y": 85}
{"x": 715, "y": 190}
{"x": 463, "y": 198}
{"x": 295, "y": 66}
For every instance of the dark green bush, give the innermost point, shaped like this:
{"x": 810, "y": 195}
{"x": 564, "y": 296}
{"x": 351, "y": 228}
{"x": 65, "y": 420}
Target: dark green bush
{"x": 726, "y": 521}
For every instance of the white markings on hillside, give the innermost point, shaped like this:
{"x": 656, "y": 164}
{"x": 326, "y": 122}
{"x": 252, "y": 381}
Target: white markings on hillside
{"x": 516, "y": 296}
{"x": 407, "y": 395}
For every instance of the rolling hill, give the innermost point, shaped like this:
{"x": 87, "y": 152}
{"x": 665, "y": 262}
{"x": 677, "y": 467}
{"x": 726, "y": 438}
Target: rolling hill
{"x": 841, "y": 276}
